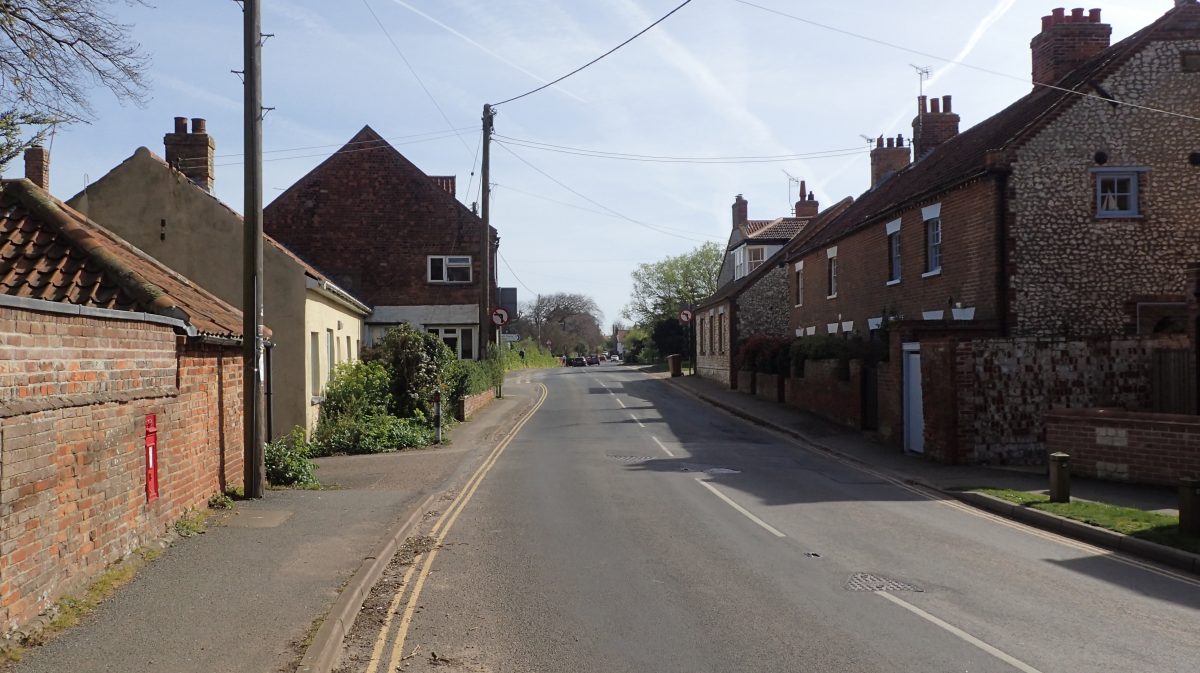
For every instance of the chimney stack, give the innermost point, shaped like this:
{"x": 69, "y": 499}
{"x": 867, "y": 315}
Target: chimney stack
{"x": 741, "y": 211}
{"x": 37, "y": 166}
{"x": 1066, "y": 42}
{"x": 192, "y": 153}
{"x": 887, "y": 159}
{"x": 934, "y": 126}
{"x": 807, "y": 206}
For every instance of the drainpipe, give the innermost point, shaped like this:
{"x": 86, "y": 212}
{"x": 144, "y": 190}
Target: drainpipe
{"x": 270, "y": 349}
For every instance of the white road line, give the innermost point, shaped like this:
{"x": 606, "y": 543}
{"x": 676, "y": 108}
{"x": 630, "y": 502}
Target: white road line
{"x": 620, "y": 402}
{"x": 999, "y": 654}
{"x": 635, "y": 420}
{"x": 661, "y": 446}
{"x": 774, "y": 531}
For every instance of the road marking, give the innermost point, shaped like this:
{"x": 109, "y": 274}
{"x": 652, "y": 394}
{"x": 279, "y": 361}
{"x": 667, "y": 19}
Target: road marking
{"x": 620, "y": 402}
{"x": 774, "y": 531}
{"x": 995, "y": 652}
{"x": 448, "y": 519}
{"x": 635, "y": 420}
{"x": 661, "y": 446}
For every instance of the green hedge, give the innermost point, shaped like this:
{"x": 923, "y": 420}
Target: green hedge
{"x": 370, "y": 434}
{"x": 287, "y": 460}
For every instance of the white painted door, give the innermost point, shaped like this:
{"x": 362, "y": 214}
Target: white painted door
{"x": 914, "y": 410}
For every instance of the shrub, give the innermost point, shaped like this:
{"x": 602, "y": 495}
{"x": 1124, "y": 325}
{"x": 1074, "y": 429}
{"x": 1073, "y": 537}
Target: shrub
{"x": 287, "y": 460}
{"x": 357, "y": 388}
{"x": 535, "y": 356}
{"x": 370, "y": 434}
{"x": 467, "y": 377}
{"x": 417, "y": 361}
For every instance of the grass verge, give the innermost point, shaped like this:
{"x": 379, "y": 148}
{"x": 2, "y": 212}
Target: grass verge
{"x": 1151, "y": 526}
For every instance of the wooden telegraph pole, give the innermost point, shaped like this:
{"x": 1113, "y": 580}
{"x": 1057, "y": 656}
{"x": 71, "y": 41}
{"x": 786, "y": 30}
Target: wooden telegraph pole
{"x": 485, "y": 247}
{"x": 254, "y": 481}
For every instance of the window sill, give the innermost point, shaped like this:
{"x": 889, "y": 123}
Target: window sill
{"x": 931, "y": 274}
{"x": 799, "y": 306}
{"x": 893, "y": 282}
{"x": 315, "y": 400}
{"x": 1120, "y": 217}
{"x": 831, "y": 296}
{"x": 448, "y": 282}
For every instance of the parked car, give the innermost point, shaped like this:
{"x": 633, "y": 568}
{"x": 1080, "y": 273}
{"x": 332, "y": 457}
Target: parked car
{"x": 577, "y": 362}
{"x": 593, "y": 360}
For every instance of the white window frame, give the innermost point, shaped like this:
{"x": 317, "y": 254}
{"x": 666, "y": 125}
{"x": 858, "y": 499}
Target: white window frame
{"x": 455, "y": 331}
{"x": 1133, "y": 174}
{"x": 933, "y": 249}
{"x": 893, "y": 251}
{"x": 739, "y": 262}
{"x": 799, "y": 270}
{"x": 448, "y": 262}
{"x": 831, "y": 277}
{"x": 314, "y": 356}
{"x": 751, "y": 262}
{"x": 330, "y": 345}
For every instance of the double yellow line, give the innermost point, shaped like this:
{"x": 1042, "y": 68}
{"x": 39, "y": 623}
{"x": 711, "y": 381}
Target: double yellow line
{"x": 439, "y": 532}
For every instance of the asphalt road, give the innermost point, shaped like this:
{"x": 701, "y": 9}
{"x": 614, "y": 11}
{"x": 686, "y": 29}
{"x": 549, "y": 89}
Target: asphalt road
{"x": 629, "y": 527}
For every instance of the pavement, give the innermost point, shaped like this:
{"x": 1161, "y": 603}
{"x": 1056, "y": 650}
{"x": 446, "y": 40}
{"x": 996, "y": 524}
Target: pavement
{"x": 247, "y": 595}
{"x": 629, "y": 527}
{"x": 913, "y": 467}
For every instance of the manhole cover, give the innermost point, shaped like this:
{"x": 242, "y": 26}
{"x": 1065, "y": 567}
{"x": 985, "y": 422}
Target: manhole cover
{"x": 633, "y": 459}
{"x": 869, "y": 582}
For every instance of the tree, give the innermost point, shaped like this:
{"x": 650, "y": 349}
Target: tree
{"x": 51, "y": 53}
{"x": 661, "y": 288}
{"x": 569, "y": 321}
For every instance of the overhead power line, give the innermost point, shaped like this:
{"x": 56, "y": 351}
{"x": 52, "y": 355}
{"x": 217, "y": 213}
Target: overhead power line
{"x": 514, "y": 273}
{"x": 377, "y": 146}
{"x": 462, "y": 130}
{"x": 963, "y": 64}
{"x": 558, "y": 182}
{"x": 414, "y": 72}
{"x": 579, "y": 207}
{"x": 601, "y": 154}
{"x": 585, "y": 65}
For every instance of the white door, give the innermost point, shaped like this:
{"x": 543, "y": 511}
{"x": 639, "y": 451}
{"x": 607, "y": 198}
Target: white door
{"x": 914, "y": 410}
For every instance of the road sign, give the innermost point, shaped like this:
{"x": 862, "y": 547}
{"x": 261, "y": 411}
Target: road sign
{"x": 500, "y": 316}
{"x": 510, "y": 337}
{"x": 685, "y": 316}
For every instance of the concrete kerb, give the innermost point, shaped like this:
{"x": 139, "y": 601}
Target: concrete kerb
{"x": 327, "y": 643}
{"x": 1175, "y": 558}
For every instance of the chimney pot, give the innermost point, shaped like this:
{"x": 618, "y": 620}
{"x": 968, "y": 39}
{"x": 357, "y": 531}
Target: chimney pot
{"x": 812, "y": 197}
{"x": 1094, "y": 15}
{"x": 920, "y": 104}
{"x": 946, "y": 104}
{"x": 890, "y": 143}
{"x": 37, "y": 166}
{"x": 1059, "y": 14}
{"x": 899, "y": 140}
{"x": 803, "y": 189}
{"x": 1059, "y": 49}
{"x": 879, "y": 141}
{"x": 1047, "y": 21}
{"x": 191, "y": 153}
{"x": 935, "y": 106}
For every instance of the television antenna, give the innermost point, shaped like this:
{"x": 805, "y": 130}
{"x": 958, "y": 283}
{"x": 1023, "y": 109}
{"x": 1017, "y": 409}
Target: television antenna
{"x": 792, "y": 180}
{"x": 869, "y": 139}
{"x": 923, "y": 73}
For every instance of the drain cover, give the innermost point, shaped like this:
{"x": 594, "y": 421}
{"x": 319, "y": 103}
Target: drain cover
{"x": 869, "y": 582}
{"x": 722, "y": 470}
{"x": 632, "y": 459}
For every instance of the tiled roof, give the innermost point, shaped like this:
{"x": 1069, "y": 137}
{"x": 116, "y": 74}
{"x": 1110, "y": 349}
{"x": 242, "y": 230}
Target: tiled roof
{"x": 51, "y": 252}
{"x": 781, "y": 228}
{"x": 814, "y": 227}
{"x": 965, "y": 156}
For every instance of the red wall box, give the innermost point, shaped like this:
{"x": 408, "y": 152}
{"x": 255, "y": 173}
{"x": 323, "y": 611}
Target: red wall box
{"x": 151, "y": 457}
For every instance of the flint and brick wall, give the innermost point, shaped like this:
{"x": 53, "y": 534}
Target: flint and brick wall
{"x": 1118, "y": 445}
{"x": 986, "y": 400}
{"x": 714, "y": 359}
{"x": 763, "y": 306}
{"x": 74, "y": 395}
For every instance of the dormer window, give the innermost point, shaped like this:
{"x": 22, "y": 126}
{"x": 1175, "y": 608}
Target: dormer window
{"x": 755, "y": 257}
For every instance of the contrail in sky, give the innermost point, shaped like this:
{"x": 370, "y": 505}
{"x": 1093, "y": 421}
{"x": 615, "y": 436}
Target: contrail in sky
{"x": 482, "y": 48}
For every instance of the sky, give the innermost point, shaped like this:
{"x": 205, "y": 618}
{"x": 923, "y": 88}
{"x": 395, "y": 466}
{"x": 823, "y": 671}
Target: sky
{"x": 719, "y": 78}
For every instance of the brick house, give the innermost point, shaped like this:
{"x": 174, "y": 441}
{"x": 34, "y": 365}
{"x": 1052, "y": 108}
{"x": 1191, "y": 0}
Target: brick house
{"x": 752, "y": 242}
{"x": 106, "y": 352}
{"x": 1033, "y": 261}
{"x": 396, "y": 238}
{"x": 166, "y": 208}
{"x": 756, "y": 301}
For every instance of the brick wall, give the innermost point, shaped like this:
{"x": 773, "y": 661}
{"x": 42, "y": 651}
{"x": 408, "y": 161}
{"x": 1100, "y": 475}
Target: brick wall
{"x": 714, "y": 359}
{"x": 470, "y": 404}
{"x": 72, "y": 463}
{"x": 968, "y": 267}
{"x": 1120, "y": 445}
{"x": 989, "y": 397}
{"x": 370, "y": 219}
{"x": 820, "y": 391}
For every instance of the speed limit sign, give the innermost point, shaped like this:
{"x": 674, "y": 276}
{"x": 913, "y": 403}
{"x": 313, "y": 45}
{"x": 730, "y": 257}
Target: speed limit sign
{"x": 685, "y": 316}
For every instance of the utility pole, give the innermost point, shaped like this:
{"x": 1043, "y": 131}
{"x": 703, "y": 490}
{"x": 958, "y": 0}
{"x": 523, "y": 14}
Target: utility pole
{"x": 252, "y": 261}
{"x": 485, "y": 247}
